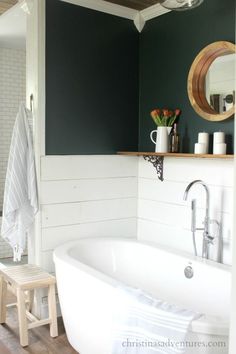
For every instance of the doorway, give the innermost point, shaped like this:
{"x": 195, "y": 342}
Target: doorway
{"x": 12, "y": 93}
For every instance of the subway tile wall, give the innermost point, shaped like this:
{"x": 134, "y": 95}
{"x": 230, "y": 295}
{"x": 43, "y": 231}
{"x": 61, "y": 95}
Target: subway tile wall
{"x": 12, "y": 92}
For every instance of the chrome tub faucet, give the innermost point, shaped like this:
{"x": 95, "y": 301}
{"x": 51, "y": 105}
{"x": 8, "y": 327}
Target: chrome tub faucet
{"x": 207, "y": 239}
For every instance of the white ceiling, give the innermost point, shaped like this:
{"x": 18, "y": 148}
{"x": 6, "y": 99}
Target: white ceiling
{"x": 13, "y": 28}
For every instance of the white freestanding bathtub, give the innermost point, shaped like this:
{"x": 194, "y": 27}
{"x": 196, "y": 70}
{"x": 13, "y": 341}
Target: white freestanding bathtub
{"x": 90, "y": 270}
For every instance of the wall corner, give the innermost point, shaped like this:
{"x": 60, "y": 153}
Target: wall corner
{"x": 139, "y": 22}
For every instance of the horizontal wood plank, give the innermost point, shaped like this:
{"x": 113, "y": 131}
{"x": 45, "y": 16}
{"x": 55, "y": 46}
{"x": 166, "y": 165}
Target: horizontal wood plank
{"x": 214, "y": 172}
{"x": 221, "y": 198}
{"x": 87, "y": 166}
{"x": 55, "y": 236}
{"x": 179, "y": 216}
{"x": 88, "y": 189}
{"x": 75, "y": 213}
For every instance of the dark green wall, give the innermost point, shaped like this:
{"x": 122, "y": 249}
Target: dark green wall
{"x": 91, "y": 81}
{"x": 168, "y": 46}
{"x": 101, "y": 75}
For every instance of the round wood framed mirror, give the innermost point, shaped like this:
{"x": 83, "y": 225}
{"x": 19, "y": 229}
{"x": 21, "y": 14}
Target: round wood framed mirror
{"x": 211, "y": 81}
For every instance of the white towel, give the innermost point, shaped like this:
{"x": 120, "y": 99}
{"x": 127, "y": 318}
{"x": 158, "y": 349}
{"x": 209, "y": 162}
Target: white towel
{"x": 20, "y": 195}
{"x": 144, "y": 325}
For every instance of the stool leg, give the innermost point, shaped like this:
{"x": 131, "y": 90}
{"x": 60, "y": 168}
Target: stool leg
{"x": 31, "y": 300}
{"x": 23, "y": 327}
{"x": 52, "y": 310}
{"x": 3, "y": 295}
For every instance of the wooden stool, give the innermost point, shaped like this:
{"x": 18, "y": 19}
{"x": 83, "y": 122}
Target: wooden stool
{"x": 22, "y": 279}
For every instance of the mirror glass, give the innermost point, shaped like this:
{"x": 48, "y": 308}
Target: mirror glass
{"x": 220, "y": 83}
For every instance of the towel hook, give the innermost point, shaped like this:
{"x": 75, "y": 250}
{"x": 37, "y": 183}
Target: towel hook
{"x": 31, "y": 102}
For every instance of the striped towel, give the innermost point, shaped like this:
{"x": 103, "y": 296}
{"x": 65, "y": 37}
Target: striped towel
{"x": 20, "y": 195}
{"x": 144, "y": 325}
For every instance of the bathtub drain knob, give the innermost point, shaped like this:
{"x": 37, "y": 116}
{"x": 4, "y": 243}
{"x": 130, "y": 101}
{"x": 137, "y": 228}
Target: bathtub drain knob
{"x": 188, "y": 272}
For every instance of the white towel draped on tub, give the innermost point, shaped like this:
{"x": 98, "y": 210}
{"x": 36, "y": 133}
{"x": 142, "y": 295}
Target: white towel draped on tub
{"x": 144, "y": 325}
{"x": 20, "y": 196}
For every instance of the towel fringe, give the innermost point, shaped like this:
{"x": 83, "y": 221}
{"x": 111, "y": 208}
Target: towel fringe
{"x": 17, "y": 253}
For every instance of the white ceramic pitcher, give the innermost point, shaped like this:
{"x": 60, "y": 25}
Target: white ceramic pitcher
{"x": 162, "y": 139}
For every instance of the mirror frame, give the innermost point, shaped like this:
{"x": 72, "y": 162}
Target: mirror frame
{"x": 196, "y": 80}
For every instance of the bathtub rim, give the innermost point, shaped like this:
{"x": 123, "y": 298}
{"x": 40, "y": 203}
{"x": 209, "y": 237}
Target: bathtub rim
{"x": 63, "y": 248}
{"x": 208, "y": 325}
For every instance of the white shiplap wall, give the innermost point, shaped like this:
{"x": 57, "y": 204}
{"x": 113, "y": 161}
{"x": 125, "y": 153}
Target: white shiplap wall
{"x": 164, "y": 217}
{"x": 83, "y": 196}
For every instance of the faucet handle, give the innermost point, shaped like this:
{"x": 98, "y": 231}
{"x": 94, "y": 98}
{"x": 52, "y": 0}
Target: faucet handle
{"x": 214, "y": 221}
{"x": 210, "y": 239}
{"x": 217, "y": 223}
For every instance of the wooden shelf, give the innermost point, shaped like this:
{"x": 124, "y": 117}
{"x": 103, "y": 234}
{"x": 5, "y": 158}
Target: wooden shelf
{"x": 169, "y": 154}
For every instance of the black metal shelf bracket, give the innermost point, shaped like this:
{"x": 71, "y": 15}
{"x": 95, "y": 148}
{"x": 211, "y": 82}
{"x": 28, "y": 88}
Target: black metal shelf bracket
{"x": 157, "y": 162}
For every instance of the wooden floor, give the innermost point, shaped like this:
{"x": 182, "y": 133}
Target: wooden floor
{"x": 40, "y": 341}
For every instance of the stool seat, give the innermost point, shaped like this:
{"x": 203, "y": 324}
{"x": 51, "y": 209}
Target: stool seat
{"x": 27, "y": 276}
{"x": 25, "y": 279}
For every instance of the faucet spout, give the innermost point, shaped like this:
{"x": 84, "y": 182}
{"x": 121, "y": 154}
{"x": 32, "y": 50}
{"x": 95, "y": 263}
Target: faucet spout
{"x": 198, "y": 181}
